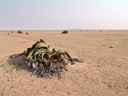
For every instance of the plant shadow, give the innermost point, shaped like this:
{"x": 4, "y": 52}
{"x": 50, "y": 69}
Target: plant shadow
{"x": 18, "y": 62}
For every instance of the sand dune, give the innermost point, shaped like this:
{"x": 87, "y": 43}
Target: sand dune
{"x": 104, "y": 73}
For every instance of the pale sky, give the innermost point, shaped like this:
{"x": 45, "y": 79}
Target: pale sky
{"x": 63, "y": 14}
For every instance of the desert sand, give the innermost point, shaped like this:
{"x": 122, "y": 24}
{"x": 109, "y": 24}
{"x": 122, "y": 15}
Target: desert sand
{"x": 104, "y": 72}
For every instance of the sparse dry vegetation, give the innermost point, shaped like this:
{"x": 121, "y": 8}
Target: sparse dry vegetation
{"x": 65, "y": 32}
{"x": 19, "y": 32}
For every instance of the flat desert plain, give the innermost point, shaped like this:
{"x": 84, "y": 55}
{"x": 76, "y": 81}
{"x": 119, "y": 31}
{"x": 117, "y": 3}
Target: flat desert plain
{"x": 104, "y": 72}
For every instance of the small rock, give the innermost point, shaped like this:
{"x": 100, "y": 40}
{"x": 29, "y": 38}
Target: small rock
{"x": 68, "y": 93}
{"x": 27, "y": 33}
{"x": 45, "y": 87}
{"x": 11, "y": 87}
{"x": 2, "y": 94}
{"x": 109, "y": 86}
{"x": 111, "y": 47}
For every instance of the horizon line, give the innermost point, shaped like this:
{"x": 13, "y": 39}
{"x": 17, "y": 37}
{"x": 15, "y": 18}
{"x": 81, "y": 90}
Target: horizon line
{"x": 60, "y": 29}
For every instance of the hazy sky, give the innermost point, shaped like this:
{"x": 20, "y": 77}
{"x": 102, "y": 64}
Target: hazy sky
{"x": 63, "y": 14}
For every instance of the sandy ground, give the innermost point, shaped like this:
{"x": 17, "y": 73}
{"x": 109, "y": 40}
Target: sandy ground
{"x": 104, "y": 73}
